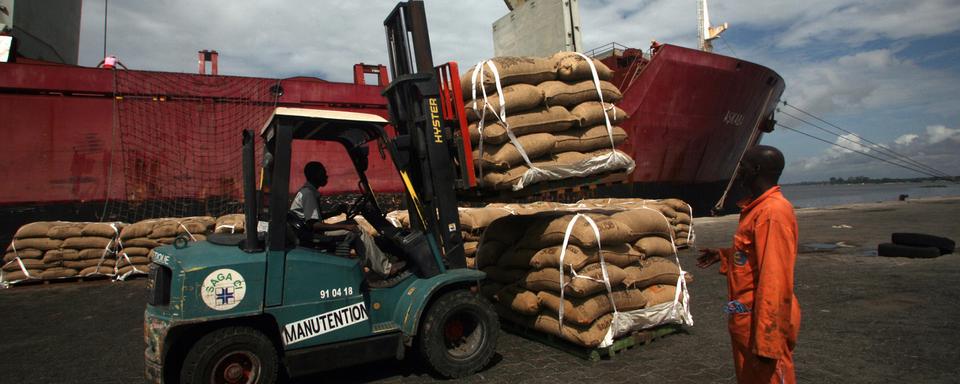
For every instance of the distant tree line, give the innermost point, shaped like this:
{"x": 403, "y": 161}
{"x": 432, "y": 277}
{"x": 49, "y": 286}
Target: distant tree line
{"x": 868, "y": 180}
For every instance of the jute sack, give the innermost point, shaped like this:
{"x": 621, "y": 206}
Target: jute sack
{"x": 166, "y": 240}
{"x": 67, "y": 254}
{"x": 141, "y": 242}
{"x": 94, "y": 270}
{"x": 86, "y": 263}
{"x": 644, "y": 222}
{"x": 27, "y": 263}
{"x": 571, "y": 94}
{"x": 93, "y": 253}
{"x": 586, "y": 310}
{"x": 589, "y": 337}
{"x": 512, "y": 70}
{"x": 504, "y": 275}
{"x": 19, "y": 275}
{"x": 469, "y": 236}
{"x": 233, "y": 223}
{"x": 551, "y": 230}
{"x": 590, "y": 113}
{"x": 136, "y": 260}
{"x": 588, "y": 283}
{"x": 652, "y": 271}
{"x": 572, "y": 67}
{"x": 519, "y": 300}
{"x": 52, "y": 256}
{"x": 473, "y": 219}
{"x": 145, "y": 268}
{"x": 65, "y": 230}
{"x": 543, "y": 120}
{"x": 682, "y": 218}
{"x": 35, "y": 229}
{"x": 138, "y": 229}
{"x": 102, "y": 229}
{"x": 58, "y": 273}
{"x": 507, "y": 179}
{"x": 518, "y": 97}
{"x": 206, "y": 221}
{"x": 660, "y": 293}
{"x": 549, "y": 257}
{"x": 622, "y": 255}
{"x": 23, "y": 254}
{"x": 38, "y": 243}
{"x": 677, "y": 205}
{"x": 470, "y": 248}
{"x": 193, "y": 227}
{"x": 88, "y": 242}
{"x": 136, "y": 251}
{"x": 681, "y": 228}
{"x": 167, "y": 228}
{"x": 506, "y": 156}
{"x": 528, "y": 208}
{"x": 588, "y": 139}
{"x": 654, "y": 246}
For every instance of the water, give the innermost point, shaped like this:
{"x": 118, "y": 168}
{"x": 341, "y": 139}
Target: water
{"x": 825, "y": 195}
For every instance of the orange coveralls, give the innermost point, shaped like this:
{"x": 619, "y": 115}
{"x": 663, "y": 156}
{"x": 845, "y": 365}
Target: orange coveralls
{"x": 764, "y": 315}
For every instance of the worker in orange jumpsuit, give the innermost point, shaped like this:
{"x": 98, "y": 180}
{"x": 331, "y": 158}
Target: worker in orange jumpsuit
{"x": 764, "y": 315}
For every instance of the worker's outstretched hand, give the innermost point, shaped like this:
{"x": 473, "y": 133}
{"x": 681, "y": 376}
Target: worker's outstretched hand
{"x": 708, "y": 257}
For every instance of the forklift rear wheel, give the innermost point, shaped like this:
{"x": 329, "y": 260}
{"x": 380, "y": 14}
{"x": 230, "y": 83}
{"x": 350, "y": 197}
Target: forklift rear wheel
{"x": 231, "y": 355}
{"x": 459, "y": 334}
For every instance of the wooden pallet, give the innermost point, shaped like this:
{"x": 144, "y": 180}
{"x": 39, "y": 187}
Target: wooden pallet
{"x": 635, "y": 339}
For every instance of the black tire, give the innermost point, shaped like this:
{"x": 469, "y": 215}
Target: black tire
{"x": 897, "y": 250}
{"x": 944, "y": 244}
{"x": 240, "y": 353}
{"x": 458, "y": 334}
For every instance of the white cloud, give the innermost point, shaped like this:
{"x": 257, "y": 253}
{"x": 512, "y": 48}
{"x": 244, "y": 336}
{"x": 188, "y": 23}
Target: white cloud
{"x": 906, "y": 139}
{"x": 939, "y": 133}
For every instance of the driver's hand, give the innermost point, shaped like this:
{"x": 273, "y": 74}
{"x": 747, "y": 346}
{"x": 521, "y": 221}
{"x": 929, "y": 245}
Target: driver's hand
{"x": 708, "y": 257}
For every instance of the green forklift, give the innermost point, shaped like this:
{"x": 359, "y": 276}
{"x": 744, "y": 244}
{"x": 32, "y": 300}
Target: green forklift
{"x": 269, "y": 303}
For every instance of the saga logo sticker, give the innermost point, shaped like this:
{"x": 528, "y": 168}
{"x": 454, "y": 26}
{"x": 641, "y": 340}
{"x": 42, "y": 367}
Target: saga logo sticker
{"x": 223, "y": 289}
{"x": 323, "y": 323}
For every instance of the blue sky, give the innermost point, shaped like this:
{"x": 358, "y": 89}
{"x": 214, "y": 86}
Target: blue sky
{"x": 886, "y": 70}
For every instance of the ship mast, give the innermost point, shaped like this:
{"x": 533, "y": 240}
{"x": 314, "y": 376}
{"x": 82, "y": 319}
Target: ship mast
{"x": 705, "y": 32}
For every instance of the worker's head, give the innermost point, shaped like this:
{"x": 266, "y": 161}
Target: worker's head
{"x": 760, "y": 168}
{"x": 315, "y": 173}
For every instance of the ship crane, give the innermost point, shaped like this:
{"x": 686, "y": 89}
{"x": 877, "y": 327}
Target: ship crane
{"x": 705, "y": 32}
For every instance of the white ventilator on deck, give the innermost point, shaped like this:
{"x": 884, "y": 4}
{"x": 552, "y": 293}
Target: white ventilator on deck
{"x": 705, "y": 32}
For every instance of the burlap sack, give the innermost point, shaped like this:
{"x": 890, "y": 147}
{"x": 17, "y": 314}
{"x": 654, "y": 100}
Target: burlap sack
{"x": 167, "y": 228}
{"x": 644, "y": 222}
{"x": 572, "y": 67}
{"x": 588, "y": 139}
{"x": 38, "y": 243}
{"x": 68, "y": 254}
{"x": 506, "y": 156}
{"x": 136, "y": 251}
{"x": 543, "y": 120}
{"x": 35, "y": 229}
{"x": 18, "y": 275}
{"x": 681, "y": 228}
{"x": 654, "y": 246}
{"x": 489, "y": 252}
{"x": 193, "y": 227}
{"x": 621, "y": 255}
{"x": 549, "y": 257}
{"x": 503, "y": 275}
{"x": 109, "y": 230}
{"x": 141, "y": 242}
{"x": 138, "y": 229}
{"x": 469, "y": 236}
{"x": 94, "y": 271}
{"x": 548, "y": 279}
{"x": 512, "y": 70}
{"x": 682, "y": 218}
{"x": 589, "y": 337}
{"x": 653, "y": 270}
{"x": 93, "y": 253}
{"x": 136, "y": 260}
{"x": 52, "y": 256}
{"x": 528, "y": 208}
{"x": 58, "y": 273}
{"x": 206, "y": 221}
{"x": 586, "y": 310}
{"x": 571, "y": 94}
{"x": 27, "y": 263}
{"x": 470, "y": 249}
{"x": 65, "y": 230}
{"x": 87, "y": 263}
{"x": 550, "y": 230}
{"x": 518, "y": 98}
{"x": 143, "y": 269}
{"x": 590, "y": 113}
{"x": 519, "y": 300}
{"x": 233, "y": 223}
{"x": 677, "y": 205}
{"x": 166, "y": 240}
{"x": 88, "y": 242}
{"x": 507, "y": 179}
{"x": 660, "y": 293}
{"x": 24, "y": 254}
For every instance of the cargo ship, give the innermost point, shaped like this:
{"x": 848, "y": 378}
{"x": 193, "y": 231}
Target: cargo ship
{"x": 110, "y": 143}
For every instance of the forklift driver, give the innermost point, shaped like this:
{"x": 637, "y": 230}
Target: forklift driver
{"x": 306, "y": 205}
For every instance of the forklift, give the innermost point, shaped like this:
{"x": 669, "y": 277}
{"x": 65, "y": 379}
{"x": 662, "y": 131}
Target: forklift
{"x": 268, "y": 304}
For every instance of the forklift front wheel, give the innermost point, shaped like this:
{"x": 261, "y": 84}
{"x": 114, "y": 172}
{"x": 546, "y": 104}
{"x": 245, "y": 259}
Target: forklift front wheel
{"x": 459, "y": 334}
{"x": 231, "y": 355}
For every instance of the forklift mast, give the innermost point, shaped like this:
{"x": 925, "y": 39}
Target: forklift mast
{"x": 431, "y": 148}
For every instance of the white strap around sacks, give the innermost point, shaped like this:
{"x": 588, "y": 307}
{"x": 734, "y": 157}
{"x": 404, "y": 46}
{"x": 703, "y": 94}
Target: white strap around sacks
{"x": 690, "y": 236}
{"x": 603, "y": 266}
{"x": 501, "y": 115}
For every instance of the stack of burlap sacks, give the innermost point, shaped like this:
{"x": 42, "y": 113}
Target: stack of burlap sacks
{"x": 58, "y": 249}
{"x": 521, "y": 255}
{"x": 555, "y": 112}
{"x": 232, "y": 223}
{"x": 677, "y": 211}
{"x": 473, "y": 221}
{"x": 138, "y": 240}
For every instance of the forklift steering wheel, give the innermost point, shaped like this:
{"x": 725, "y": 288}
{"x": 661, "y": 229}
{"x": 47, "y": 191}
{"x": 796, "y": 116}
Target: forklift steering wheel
{"x": 357, "y": 207}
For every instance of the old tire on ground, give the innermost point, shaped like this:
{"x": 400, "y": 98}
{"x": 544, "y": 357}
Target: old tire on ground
{"x": 897, "y": 250}
{"x": 458, "y": 334}
{"x": 944, "y": 244}
{"x": 231, "y": 355}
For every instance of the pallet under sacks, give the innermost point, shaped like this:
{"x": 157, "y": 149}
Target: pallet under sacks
{"x": 51, "y": 250}
{"x": 547, "y": 275}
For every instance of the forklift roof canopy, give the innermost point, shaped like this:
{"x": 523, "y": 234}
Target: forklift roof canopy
{"x": 328, "y": 125}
